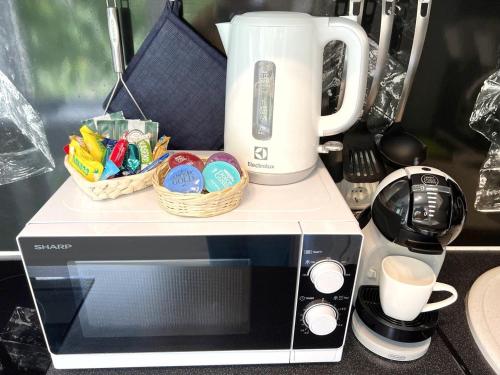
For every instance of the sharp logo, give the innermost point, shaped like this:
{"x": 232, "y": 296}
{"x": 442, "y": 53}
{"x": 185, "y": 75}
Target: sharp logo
{"x": 59, "y": 246}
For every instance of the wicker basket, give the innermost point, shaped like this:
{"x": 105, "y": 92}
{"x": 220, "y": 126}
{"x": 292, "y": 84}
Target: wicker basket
{"x": 113, "y": 188}
{"x": 197, "y": 205}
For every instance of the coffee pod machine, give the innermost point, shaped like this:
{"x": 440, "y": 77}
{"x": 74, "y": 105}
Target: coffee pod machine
{"x": 416, "y": 211}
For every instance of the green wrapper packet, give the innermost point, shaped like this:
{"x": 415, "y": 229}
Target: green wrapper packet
{"x": 132, "y": 161}
{"x": 149, "y": 128}
{"x": 145, "y": 151}
{"x": 92, "y": 122}
{"x": 114, "y": 125}
{"x": 107, "y": 129}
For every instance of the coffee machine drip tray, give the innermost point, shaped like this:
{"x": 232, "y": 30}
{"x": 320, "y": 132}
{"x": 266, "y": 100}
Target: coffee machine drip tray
{"x": 370, "y": 312}
{"x": 386, "y": 348}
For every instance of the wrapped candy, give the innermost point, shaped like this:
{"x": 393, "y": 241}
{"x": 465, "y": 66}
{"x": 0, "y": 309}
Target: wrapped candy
{"x": 118, "y": 154}
{"x": 93, "y": 142}
{"x": 81, "y": 160}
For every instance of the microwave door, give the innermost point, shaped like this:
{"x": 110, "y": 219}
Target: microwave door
{"x": 166, "y": 294}
{"x": 58, "y": 314}
{"x": 157, "y": 302}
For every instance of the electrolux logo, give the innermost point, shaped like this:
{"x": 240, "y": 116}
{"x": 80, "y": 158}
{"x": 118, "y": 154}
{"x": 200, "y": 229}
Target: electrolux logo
{"x": 59, "y": 246}
{"x": 259, "y": 165}
{"x": 260, "y": 153}
{"x": 429, "y": 179}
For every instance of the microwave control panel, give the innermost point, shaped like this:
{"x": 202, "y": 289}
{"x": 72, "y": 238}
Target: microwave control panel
{"x": 326, "y": 283}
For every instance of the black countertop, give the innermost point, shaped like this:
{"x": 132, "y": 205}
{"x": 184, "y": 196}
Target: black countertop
{"x": 452, "y": 350}
{"x": 461, "y": 269}
{"x": 356, "y": 360}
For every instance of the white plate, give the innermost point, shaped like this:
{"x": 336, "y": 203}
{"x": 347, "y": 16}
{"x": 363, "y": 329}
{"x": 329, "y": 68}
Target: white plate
{"x": 483, "y": 315}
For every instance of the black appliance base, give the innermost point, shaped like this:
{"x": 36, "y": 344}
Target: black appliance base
{"x": 370, "y": 312}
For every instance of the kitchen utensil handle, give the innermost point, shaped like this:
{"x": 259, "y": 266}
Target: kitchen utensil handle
{"x": 355, "y": 14}
{"x": 126, "y": 32}
{"x": 421, "y": 24}
{"x": 356, "y": 43}
{"x": 115, "y": 39}
{"x": 386, "y": 24}
{"x": 448, "y": 301}
{"x": 356, "y": 10}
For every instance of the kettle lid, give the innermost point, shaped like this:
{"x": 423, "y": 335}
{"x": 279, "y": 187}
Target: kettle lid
{"x": 272, "y": 18}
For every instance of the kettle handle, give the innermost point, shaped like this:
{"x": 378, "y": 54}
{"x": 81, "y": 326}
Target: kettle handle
{"x": 356, "y": 43}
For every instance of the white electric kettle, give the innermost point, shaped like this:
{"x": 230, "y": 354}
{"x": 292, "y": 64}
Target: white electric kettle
{"x": 273, "y": 90}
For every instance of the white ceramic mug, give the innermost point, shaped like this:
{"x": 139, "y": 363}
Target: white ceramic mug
{"x": 406, "y": 285}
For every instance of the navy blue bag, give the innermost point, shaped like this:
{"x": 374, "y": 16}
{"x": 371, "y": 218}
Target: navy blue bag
{"x": 179, "y": 80}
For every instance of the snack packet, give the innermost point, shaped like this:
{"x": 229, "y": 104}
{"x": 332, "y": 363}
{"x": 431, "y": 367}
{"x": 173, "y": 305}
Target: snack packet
{"x": 93, "y": 142}
{"x": 149, "y": 128}
{"x": 140, "y": 139}
{"x": 145, "y": 151}
{"x": 77, "y": 147}
{"x": 161, "y": 147}
{"x": 117, "y": 155}
{"x": 155, "y": 163}
{"x": 92, "y": 122}
{"x": 152, "y": 130}
{"x": 78, "y": 139}
{"x": 109, "y": 144}
{"x": 132, "y": 161}
{"x": 82, "y": 162}
{"x": 107, "y": 129}
{"x": 110, "y": 170}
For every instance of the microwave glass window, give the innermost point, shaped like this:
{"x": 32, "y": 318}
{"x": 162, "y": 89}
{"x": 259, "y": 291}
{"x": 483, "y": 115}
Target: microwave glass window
{"x": 163, "y": 298}
{"x": 154, "y": 294}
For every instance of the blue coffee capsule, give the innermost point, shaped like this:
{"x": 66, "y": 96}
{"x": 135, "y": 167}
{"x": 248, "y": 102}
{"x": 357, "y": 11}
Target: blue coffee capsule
{"x": 184, "y": 179}
{"x": 220, "y": 175}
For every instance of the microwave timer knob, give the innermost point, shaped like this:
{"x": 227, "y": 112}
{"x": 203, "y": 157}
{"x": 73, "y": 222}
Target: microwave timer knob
{"x": 327, "y": 276}
{"x": 320, "y": 318}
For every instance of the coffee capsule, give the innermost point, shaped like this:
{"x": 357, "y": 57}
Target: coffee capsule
{"x": 220, "y": 175}
{"x": 184, "y": 179}
{"x": 185, "y": 158}
{"x": 224, "y": 156}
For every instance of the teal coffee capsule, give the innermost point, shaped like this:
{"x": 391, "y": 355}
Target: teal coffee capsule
{"x": 220, "y": 175}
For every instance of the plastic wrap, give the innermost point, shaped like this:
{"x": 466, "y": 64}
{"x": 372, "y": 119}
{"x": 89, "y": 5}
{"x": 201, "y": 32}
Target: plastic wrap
{"x": 333, "y": 65}
{"x": 383, "y": 112}
{"x": 24, "y": 150}
{"x": 23, "y": 341}
{"x": 384, "y": 109}
{"x": 485, "y": 119}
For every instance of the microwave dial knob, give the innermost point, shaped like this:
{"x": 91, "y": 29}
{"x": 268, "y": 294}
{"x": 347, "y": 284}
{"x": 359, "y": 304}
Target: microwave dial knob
{"x": 327, "y": 276}
{"x": 321, "y": 319}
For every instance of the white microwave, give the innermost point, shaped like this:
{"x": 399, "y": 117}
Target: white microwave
{"x": 121, "y": 283}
